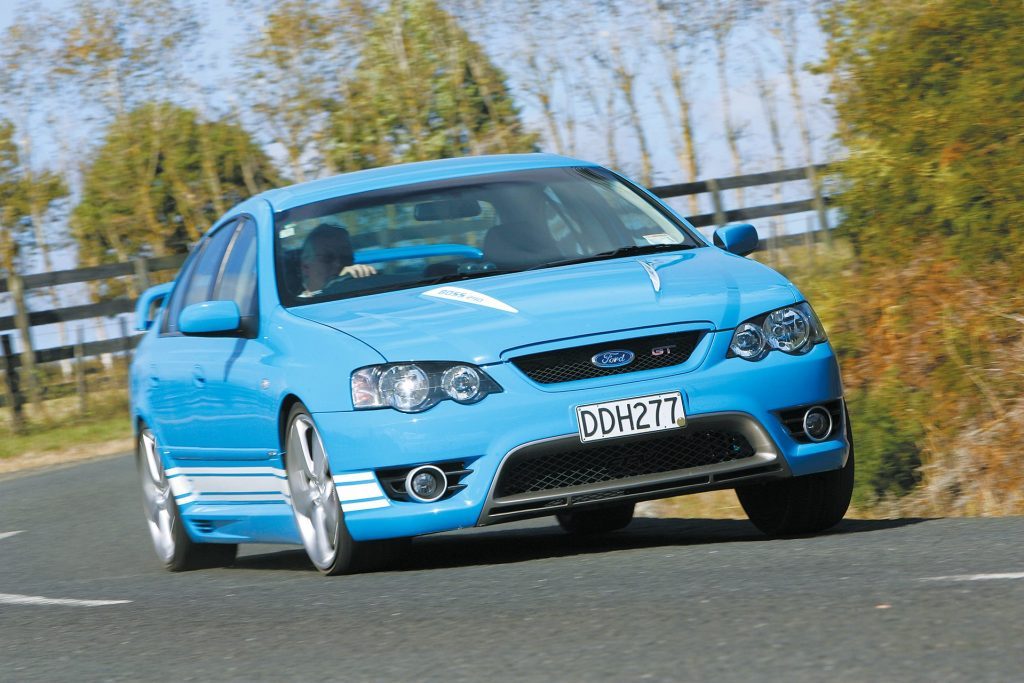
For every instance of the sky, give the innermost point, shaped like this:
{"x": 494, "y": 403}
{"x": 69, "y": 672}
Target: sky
{"x": 225, "y": 34}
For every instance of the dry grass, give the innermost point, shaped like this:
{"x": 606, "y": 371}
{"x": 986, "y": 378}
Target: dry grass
{"x": 60, "y": 432}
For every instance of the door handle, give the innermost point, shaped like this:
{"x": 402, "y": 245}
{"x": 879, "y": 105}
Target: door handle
{"x": 198, "y": 376}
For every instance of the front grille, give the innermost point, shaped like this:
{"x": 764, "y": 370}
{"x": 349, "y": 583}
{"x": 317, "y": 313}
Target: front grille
{"x": 550, "y": 466}
{"x": 567, "y": 365}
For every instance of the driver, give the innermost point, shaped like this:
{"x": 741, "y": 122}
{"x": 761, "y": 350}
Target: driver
{"x": 327, "y": 255}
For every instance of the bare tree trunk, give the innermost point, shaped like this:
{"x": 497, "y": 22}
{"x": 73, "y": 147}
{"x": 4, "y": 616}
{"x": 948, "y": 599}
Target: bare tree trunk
{"x": 731, "y": 133}
{"x": 767, "y": 95}
{"x": 625, "y": 80}
{"x": 670, "y": 46}
{"x": 688, "y": 153}
{"x": 37, "y": 207}
{"x": 612, "y": 126}
{"x": 786, "y": 34}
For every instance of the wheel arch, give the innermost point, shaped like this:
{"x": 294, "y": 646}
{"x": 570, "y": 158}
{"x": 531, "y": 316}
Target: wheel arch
{"x": 287, "y": 403}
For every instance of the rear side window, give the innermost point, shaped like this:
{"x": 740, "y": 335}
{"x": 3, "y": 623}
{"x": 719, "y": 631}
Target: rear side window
{"x": 197, "y": 284}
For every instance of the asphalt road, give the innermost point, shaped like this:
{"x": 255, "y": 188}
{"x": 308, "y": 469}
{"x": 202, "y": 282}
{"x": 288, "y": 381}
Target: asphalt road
{"x": 666, "y": 599}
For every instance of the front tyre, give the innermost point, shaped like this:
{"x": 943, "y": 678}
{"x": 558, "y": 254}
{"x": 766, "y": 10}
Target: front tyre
{"x": 598, "y": 521}
{"x": 317, "y": 509}
{"x": 801, "y": 505}
{"x": 175, "y": 549}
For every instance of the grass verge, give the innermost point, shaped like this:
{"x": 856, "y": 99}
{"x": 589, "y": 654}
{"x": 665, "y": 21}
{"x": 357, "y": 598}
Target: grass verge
{"x": 62, "y": 427}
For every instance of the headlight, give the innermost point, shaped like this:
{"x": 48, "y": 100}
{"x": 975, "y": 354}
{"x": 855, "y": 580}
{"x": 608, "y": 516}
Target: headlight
{"x": 404, "y": 387}
{"x": 415, "y": 387}
{"x": 748, "y": 341}
{"x": 792, "y": 329}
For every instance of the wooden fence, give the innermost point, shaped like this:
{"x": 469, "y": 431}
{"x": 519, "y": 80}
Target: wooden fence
{"x": 135, "y": 277}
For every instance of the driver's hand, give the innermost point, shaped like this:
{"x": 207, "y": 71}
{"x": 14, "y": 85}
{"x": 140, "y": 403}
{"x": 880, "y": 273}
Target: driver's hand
{"x": 358, "y": 270}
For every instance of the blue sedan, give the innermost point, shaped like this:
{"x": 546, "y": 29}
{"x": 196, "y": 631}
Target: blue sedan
{"x": 354, "y": 361}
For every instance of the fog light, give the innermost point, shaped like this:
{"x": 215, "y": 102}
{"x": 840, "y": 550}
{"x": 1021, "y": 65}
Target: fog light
{"x": 426, "y": 484}
{"x": 817, "y": 423}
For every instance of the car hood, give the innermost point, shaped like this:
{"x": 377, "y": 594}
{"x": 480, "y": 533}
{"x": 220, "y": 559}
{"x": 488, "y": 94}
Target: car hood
{"x": 477, "y": 320}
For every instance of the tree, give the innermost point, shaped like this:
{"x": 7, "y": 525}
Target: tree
{"x": 423, "y": 90}
{"x": 296, "y": 69}
{"x": 25, "y": 195}
{"x": 159, "y": 179}
{"x": 26, "y": 78}
{"x": 117, "y": 54}
{"x": 930, "y": 97}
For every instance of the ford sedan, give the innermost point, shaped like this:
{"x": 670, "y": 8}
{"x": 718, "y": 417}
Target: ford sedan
{"x": 409, "y": 350}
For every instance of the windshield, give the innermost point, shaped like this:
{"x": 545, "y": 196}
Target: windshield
{"x": 465, "y": 228}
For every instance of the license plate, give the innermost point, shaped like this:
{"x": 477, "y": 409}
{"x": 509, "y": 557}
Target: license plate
{"x": 629, "y": 416}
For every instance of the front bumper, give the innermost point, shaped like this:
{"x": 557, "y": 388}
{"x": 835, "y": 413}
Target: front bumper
{"x": 719, "y": 392}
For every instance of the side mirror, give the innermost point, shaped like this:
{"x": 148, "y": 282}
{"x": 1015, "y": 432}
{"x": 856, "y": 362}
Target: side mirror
{"x": 151, "y": 299}
{"x": 739, "y": 239}
{"x": 210, "y": 317}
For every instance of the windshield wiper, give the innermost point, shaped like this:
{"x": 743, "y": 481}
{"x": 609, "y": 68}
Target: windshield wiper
{"x": 617, "y": 253}
{"x": 456, "y": 277}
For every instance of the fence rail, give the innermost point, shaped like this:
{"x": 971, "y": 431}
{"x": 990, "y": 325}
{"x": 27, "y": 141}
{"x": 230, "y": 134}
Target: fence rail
{"x": 140, "y": 269}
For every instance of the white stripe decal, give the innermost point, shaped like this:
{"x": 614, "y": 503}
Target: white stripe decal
{"x": 359, "y": 491}
{"x": 14, "y": 599}
{"x": 236, "y": 484}
{"x": 365, "y": 505}
{"x": 8, "y": 534}
{"x": 179, "y": 486}
{"x": 190, "y": 498}
{"x": 353, "y": 476}
{"x": 201, "y": 471}
{"x": 242, "y": 498}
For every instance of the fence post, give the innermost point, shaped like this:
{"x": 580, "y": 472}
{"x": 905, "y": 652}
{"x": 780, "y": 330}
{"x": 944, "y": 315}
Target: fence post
{"x": 819, "y": 203}
{"x": 126, "y": 343}
{"x": 716, "y": 200}
{"x": 809, "y": 239}
{"x": 12, "y": 390}
{"x": 83, "y": 401}
{"x": 141, "y": 275}
{"x": 16, "y": 286}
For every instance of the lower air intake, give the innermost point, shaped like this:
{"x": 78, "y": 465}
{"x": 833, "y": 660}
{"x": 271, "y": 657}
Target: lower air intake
{"x": 562, "y": 464}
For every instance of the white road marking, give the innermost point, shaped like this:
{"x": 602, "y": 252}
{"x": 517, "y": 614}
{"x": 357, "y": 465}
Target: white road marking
{"x": 15, "y": 599}
{"x": 976, "y": 577}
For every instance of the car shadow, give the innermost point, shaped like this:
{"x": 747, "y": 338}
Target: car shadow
{"x": 505, "y": 545}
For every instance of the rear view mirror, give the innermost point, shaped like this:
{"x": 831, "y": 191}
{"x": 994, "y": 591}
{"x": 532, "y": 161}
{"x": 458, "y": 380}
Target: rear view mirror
{"x": 739, "y": 239}
{"x": 210, "y": 317}
{"x": 447, "y": 209}
{"x": 149, "y": 304}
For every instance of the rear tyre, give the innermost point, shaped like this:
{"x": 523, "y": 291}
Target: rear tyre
{"x": 175, "y": 549}
{"x": 598, "y": 521}
{"x": 317, "y": 509}
{"x": 801, "y": 505}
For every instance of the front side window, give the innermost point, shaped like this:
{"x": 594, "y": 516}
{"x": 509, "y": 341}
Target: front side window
{"x": 237, "y": 280}
{"x": 465, "y": 228}
{"x": 197, "y": 281}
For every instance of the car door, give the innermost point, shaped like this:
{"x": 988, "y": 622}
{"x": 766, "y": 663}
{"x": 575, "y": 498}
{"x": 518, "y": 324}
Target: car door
{"x": 236, "y": 401}
{"x": 177, "y": 376}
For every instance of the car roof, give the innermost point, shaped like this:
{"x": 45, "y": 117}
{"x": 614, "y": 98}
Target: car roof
{"x": 407, "y": 174}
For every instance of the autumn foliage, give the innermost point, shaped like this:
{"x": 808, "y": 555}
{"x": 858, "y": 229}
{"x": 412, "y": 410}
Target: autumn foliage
{"x": 928, "y": 312}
